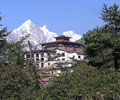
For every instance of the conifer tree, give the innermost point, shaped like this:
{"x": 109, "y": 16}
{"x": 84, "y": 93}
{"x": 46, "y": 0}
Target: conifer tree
{"x": 111, "y": 15}
{"x": 102, "y": 45}
{"x": 10, "y": 52}
{"x": 3, "y": 42}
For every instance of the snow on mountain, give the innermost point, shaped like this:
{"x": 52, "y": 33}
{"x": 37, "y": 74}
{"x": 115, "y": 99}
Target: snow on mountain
{"x": 36, "y": 34}
{"x": 73, "y": 35}
{"x": 27, "y": 28}
{"x": 49, "y": 35}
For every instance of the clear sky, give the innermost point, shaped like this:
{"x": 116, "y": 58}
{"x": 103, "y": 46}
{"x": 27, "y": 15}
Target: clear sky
{"x": 59, "y": 15}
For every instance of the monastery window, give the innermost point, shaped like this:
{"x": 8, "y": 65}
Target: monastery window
{"x": 48, "y": 64}
{"x": 42, "y": 59}
{"x": 27, "y": 56}
{"x": 63, "y": 54}
{"x": 63, "y": 58}
{"x": 37, "y": 55}
{"x": 79, "y": 57}
{"x": 42, "y": 64}
{"x": 37, "y": 59}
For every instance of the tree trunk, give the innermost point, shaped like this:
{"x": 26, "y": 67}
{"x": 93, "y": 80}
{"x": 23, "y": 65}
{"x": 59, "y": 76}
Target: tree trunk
{"x": 30, "y": 48}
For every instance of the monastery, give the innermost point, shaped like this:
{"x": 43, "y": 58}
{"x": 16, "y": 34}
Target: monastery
{"x": 56, "y": 55}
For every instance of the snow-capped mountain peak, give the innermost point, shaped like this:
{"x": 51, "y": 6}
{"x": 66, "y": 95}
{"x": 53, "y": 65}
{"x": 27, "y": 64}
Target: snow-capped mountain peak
{"x": 50, "y": 35}
{"x": 73, "y": 35}
{"x": 28, "y": 22}
{"x": 44, "y": 27}
{"x": 37, "y": 34}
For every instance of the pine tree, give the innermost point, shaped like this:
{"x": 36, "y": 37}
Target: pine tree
{"x": 111, "y": 15}
{"x": 102, "y": 45}
{"x": 3, "y": 42}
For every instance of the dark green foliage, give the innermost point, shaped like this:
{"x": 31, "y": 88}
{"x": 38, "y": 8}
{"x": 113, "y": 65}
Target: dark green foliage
{"x": 16, "y": 81}
{"x": 97, "y": 44}
{"x": 86, "y": 82}
{"x": 102, "y": 45}
{"x": 13, "y": 81}
{"x": 111, "y": 14}
{"x": 3, "y": 34}
{"x": 12, "y": 54}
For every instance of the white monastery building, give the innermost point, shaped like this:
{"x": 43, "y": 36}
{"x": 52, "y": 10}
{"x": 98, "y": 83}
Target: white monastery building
{"x": 62, "y": 49}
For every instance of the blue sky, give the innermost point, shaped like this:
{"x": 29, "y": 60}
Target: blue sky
{"x": 59, "y": 15}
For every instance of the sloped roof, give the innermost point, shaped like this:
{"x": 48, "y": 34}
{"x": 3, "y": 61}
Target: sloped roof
{"x": 62, "y": 37}
{"x": 53, "y": 44}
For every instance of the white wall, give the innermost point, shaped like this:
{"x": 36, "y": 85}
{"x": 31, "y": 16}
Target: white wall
{"x": 67, "y": 57}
